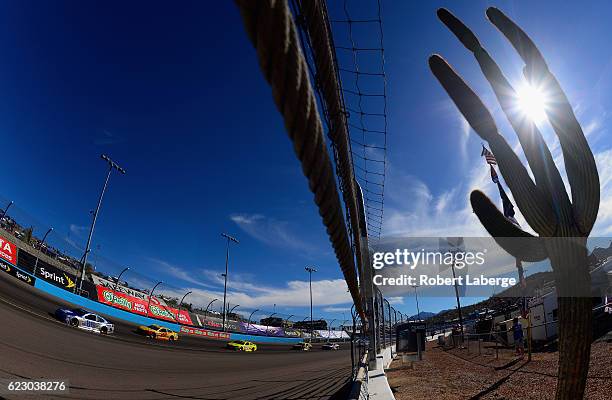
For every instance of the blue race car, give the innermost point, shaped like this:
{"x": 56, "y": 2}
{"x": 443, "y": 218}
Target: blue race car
{"x": 83, "y": 319}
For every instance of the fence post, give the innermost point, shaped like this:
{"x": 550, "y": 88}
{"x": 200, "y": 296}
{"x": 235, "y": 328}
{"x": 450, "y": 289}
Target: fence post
{"x": 529, "y": 337}
{"x": 496, "y": 349}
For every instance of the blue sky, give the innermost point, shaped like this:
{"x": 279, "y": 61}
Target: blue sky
{"x": 175, "y": 96}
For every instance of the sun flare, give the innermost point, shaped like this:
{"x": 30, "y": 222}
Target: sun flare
{"x": 532, "y": 102}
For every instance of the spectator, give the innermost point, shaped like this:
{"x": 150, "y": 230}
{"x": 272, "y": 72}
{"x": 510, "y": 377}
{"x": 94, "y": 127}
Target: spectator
{"x": 517, "y": 330}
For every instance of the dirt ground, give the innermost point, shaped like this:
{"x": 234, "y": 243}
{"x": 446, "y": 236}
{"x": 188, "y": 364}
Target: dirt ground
{"x": 455, "y": 374}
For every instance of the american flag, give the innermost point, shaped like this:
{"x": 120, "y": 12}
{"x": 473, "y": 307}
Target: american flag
{"x": 488, "y": 156}
{"x": 494, "y": 176}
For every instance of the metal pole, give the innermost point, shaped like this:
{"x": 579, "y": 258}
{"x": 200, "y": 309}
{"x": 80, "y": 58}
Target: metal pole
{"x": 212, "y": 301}
{"x": 329, "y": 330}
{"x": 151, "y": 296}
{"x": 310, "y": 270}
{"x": 39, "y": 249}
{"x": 178, "y": 314}
{"x": 249, "y": 324}
{"x": 119, "y": 278}
{"x": 267, "y": 325}
{"x": 233, "y": 239}
{"x": 457, "y": 296}
{"x": 232, "y": 309}
{"x": 111, "y": 165}
{"x": 287, "y": 320}
{"x": 416, "y": 296}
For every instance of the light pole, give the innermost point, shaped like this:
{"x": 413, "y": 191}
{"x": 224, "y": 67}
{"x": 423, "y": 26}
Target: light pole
{"x": 232, "y": 309}
{"x": 249, "y": 324}
{"x": 39, "y": 249}
{"x": 178, "y": 314}
{"x": 287, "y": 320}
{"x": 111, "y": 165}
{"x": 310, "y": 270}
{"x": 229, "y": 239}
{"x": 151, "y": 296}
{"x": 206, "y": 310}
{"x": 329, "y": 331}
{"x": 269, "y": 320}
{"x": 119, "y": 278}
{"x": 6, "y": 210}
{"x": 416, "y": 297}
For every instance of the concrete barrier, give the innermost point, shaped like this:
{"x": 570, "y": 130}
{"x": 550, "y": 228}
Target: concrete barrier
{"x": 264, "y": 339}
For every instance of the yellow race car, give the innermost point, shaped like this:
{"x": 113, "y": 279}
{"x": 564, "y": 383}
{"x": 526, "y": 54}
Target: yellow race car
{"x": 158, "y": 332}
{"x": 241, "y": 345}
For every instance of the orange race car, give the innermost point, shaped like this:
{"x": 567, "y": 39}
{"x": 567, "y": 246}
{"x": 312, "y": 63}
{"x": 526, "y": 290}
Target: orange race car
{"x": 158, "y": 332}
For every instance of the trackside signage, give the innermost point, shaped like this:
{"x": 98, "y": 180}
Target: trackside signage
{"x": 8, "y": 251}
{"x": 136, "y": 305}
{"x": 17, "y": 273}
{"x": 56, "y": 277}
{"x": 204, "y": 333}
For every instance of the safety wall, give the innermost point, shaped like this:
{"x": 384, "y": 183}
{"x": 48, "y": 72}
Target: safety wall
{"x": 263, "y": 339}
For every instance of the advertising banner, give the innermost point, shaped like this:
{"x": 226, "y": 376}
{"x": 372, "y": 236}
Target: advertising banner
{"x": 8, "y": 251}
{"x": 56, "y": 276}
{"x": 292, "y": 332}
{"x": 139, "y": 306}
{"x": 13, "y": 271}
{"x": 263, "y": 330}
{"x": 331, "y": 334}
{"x": 215, "y": 323}
{"x": 204, "y": 333}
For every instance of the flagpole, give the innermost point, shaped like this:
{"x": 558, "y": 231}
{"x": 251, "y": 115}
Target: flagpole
{"x": 458, "y": 302}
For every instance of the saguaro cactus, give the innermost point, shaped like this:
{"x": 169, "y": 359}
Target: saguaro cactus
{"x": 563, "y": 225}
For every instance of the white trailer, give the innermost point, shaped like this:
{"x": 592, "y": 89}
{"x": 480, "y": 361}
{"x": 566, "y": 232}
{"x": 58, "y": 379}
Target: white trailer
{"x": 543, "y": 310}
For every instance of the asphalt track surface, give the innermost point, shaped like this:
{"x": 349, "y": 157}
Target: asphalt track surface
{"x": 125, "y": 365}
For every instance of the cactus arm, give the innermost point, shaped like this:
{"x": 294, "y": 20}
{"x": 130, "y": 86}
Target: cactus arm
{"x": 511, "y": 238}
{"x": 579, "y": 161}
{"x": 538, "y": 155}
{"x": 533, "y": 204}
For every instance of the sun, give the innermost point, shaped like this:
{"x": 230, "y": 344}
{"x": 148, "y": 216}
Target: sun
{"x": 532, "y": 102}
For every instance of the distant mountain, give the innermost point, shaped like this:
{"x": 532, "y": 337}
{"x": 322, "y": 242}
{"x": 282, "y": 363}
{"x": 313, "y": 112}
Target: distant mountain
{"x": 602, "y": 253}
{"x": 423, "y": 315}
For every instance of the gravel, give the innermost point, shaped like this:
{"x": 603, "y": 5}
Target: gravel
{"x": 457, "y": 375}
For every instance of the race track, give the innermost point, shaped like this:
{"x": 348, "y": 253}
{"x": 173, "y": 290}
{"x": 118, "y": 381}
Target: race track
{"x": 34, "y": 345}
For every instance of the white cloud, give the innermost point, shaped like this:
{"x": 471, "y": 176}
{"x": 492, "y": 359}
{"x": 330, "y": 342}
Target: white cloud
{"x": 603, "y": 227}
{"x": 207, "y": 284}
{"x": 270, "y": 231}
{"x": 293, "y": 294}
{"x": 78, "y": 230}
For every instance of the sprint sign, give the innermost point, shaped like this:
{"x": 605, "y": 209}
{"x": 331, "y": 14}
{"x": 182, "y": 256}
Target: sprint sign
{"x": 8, "y": 251}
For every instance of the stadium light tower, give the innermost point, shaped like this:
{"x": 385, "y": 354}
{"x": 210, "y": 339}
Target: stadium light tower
{"x": 310, "y": 270}
{"x": 229, "y": 239}
{"x": 111, "y": 165}
{"x": 42, "y": 242}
